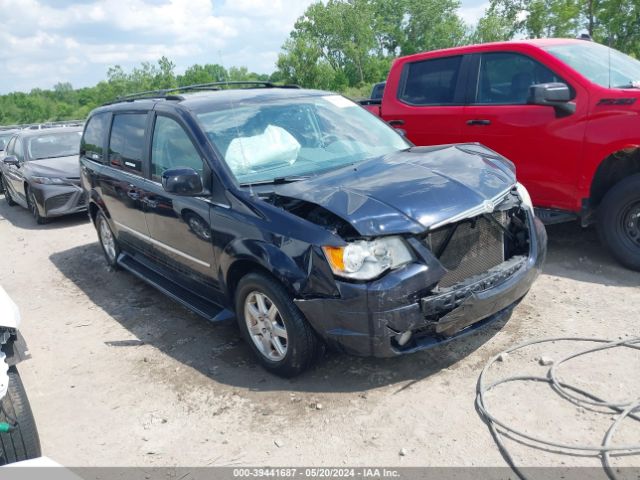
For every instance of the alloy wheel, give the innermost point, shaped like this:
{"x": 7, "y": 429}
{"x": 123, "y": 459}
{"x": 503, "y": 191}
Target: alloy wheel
{"x": 107, "y": 240}
{"x": 265, "y": 325}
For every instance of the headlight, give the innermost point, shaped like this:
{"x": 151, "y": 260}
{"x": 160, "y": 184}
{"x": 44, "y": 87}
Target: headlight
{"x": 524, "y": 196}
{"x": 49, "y": 180}
{"x": 365, "y": 260}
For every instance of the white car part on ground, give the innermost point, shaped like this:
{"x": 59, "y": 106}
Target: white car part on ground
{"x": 9, "y": 313}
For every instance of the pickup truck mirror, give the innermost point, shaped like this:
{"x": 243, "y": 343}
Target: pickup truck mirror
{"x": 11, "y": 160}
{"x": 556, "y": 95}
{"x": 182, "y": 181}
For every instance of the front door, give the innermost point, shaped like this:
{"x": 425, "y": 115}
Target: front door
{"x": 545, "y": 146}
{"x": 121, "y": 180}
{"x": 179, "y": 225}
{"x": 429, "y": 101}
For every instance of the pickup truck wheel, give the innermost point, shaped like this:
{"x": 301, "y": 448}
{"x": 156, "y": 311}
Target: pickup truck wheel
{"x": 22, "y": 441}
{"x": 619, "y": 222}
{"x": 108, "y": 241}
{"x": 274, "y": 327}
{"x": 7, "y": 194}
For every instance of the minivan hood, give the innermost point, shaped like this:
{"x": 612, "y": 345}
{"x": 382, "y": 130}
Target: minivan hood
{"x": 67, "y": 167}
{"x": 409, "y": 191}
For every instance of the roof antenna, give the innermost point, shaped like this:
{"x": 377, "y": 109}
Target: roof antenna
{"x": 609, "y": 42}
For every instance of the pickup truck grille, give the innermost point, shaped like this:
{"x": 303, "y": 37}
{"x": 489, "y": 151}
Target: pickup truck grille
{"x": 474, "y": 246}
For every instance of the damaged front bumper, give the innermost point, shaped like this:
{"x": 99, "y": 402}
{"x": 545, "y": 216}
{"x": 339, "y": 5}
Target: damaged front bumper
{"x": 400, "y": 313}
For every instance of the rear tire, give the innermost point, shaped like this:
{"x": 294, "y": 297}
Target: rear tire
{"x": 301, "y": 344}
{"x": 7, "y": 194}
{"x": 108, "y": 241}
{"x": 33, "y": 208}
{"x": 23, "y": 442}
{"x": 619, "y": 222}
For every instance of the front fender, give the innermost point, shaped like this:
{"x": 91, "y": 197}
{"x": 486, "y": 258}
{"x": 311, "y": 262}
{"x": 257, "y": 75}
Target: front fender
{"x": 299, "y": 266}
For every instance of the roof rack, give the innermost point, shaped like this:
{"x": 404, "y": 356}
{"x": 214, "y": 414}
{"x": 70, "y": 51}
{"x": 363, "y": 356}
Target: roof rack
{"x": 169, "y": 93}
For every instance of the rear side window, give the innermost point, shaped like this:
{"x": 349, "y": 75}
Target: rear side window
{"x": 92, "y": 142}
{"x": 505, "y": 78}
{"x": 126, "y": 144}
{"x": 431, "y": 82}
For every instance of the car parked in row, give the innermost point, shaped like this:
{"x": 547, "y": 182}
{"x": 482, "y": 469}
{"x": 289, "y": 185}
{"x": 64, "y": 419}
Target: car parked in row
{"x": 307, "y": 219}
{"x": 566, "y": 112}
{"x": 40, "y": 172}
{"x": 5, "y": 136}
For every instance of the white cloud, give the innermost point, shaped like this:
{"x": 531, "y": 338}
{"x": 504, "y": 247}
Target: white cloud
{"x": 78, "y": 41}
{"x": 471, "y": 14}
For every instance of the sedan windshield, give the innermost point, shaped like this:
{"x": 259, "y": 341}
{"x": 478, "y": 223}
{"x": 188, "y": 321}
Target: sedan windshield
{"x": 61, "y": 144}
{"x": 600, "y": 64}
{"x": 289, "y": 139}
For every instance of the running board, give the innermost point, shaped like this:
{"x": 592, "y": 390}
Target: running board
{"x": 550, "y": 216}
{"x": 209, "y": 310}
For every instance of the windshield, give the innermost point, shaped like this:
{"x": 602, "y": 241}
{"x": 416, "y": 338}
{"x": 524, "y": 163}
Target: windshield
{"x": 286, "y": 139}
{"x": 593, "y": 60}
{"x": 63, "y": 144}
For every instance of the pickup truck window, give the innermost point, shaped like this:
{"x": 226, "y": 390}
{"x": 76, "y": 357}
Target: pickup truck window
{"x": 505, "y": 78}
{"x": 430, "y": 82}
{"x": 602, "y": 65}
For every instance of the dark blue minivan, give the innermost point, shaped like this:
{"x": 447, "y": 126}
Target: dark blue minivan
{"x": 308, "y": 219}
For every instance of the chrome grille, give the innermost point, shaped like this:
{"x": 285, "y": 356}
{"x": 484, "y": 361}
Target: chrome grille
{"x": 476, "y": 246}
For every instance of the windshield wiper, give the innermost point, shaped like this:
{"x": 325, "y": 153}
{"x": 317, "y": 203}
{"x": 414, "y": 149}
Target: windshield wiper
{"x": 278, "y": 180}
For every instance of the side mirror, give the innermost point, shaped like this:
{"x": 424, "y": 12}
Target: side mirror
{"x": 556, "y": 95}
{"x": 11, "y": 160}
{"x": 182, "y": 181}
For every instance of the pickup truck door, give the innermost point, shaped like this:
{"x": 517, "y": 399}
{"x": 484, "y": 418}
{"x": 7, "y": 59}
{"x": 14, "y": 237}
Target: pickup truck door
{"x": 545, "y": 146}
{"x": 426, "y": 99}
{"x": 180, "y": 226}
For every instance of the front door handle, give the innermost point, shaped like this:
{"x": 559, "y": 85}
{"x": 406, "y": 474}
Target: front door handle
{"x": 396, "y": 123}
{"x": 478, "y": 122}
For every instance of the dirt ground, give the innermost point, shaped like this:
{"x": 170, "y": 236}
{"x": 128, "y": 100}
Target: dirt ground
{"x": 122, "y": 375}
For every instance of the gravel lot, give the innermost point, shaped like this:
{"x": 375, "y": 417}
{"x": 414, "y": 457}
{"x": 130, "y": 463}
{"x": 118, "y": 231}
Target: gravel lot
{"x": 121, "y": 375}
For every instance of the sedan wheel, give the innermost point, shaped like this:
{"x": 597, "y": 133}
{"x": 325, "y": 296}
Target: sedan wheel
{"x": 33, "y": 207}
{"x": 7, "y": 193}
{"x": 265, "y": 325}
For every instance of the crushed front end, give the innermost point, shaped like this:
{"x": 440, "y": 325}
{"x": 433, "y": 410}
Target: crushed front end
{"x": 466, "y": 273}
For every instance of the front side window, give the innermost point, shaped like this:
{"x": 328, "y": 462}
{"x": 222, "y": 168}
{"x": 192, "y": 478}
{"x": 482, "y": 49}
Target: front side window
{"x": 4, "y": 140}
{"x": 431, "y": 82}
{"x": 505, "y": 78}
{"x": 53, "y": 145}
{"x": 94, "y": 134}
{"x": 172, "y": 148}
{"x": 10, "y": 146}
{"x": 602, "y": 65}
{"x": 265, "y": 140}
{"x": 126, "y": 143}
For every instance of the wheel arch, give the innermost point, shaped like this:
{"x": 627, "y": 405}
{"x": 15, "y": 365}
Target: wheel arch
{"x": 614, "y": 168}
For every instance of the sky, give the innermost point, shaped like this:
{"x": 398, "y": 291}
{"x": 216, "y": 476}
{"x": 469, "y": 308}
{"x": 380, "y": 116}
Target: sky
{"x": 43, "y": 42}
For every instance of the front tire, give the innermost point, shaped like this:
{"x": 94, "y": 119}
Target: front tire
{"x": 619, "y": 222}
{"x": 33, "y": 208}
{"x": 7, "y": 194}
{"x": 272, "y": 325}
{"x": 108, "y": 241}
{"x": 22, "y": 442}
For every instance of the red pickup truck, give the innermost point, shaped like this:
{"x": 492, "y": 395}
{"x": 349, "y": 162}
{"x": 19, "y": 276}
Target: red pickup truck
{"x": 566, "y": 112}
